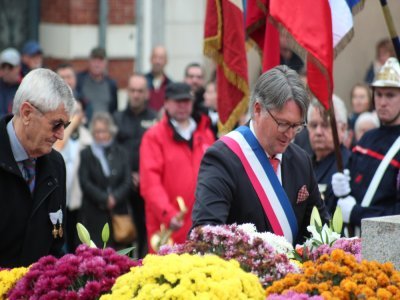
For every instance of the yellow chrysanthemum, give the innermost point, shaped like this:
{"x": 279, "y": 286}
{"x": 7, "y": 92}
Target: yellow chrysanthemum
{"x": 186, "y": 277}
{"x": 8, "y": 278}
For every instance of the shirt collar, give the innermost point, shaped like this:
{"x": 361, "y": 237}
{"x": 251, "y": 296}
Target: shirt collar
{"x": 18, "y": 150}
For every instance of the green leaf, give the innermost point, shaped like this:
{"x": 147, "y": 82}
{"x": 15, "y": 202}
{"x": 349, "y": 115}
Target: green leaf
{"x": 327, "y": 238}
{"x": 125, "y": 251}
{"x": 83, "y": 234}
{"x": 315, "y": 218}
{"x": 105, "y": 234}
{"x": 337, "y": 221}
{"x": 297, "y": 256}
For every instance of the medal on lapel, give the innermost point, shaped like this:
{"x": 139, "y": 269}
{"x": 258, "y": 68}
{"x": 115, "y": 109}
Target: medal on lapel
{"x": 56, "y": 220}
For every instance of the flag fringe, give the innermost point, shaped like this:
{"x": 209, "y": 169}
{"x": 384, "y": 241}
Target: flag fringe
{"x": 343, "y": 42}
{"x": 358, "y": 7}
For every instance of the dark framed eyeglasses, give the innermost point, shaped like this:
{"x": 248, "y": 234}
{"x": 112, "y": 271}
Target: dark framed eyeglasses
{"x": 56, "y": 125}
{"x": 283, "y": 127}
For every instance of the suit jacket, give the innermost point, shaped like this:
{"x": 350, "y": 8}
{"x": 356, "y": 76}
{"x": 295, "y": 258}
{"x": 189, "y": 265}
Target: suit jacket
{"x": 25, "y": 226}
{"x": 225, "y": 195}
{"x": 96, "y": 186}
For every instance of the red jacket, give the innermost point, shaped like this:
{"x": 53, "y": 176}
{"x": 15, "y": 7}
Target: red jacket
{"x": 168, "y": 168}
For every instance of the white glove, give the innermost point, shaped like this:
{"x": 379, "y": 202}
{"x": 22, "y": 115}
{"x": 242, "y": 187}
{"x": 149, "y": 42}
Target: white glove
{"x": 341, "y": 183}
{"x": 346, "y": 204}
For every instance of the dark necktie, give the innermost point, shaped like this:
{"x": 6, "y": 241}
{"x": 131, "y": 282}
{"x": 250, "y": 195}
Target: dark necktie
{"x": 274, "y": 163}
{"x": 30, "y": 172}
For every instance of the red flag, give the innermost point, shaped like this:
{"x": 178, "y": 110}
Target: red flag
{"x": 309, "y": 23}
{"x": 263, "y": 33}
{"x": 224, "y": 41}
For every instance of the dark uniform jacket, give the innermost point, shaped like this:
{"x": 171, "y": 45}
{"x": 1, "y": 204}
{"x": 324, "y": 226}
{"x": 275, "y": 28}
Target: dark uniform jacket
{"x": 225, "y": 195}
{"x": 25, "y": 225}
{"x": 363, "y": 165}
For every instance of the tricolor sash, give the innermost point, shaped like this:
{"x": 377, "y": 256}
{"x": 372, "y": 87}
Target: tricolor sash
{"x": 270, "y": 192}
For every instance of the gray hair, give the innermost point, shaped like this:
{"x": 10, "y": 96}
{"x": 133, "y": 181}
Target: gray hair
{"x": 366, "y": 117}
{"x": 276, "y": 87}
{"x": 104, "y": 117}
{"x": 46, "y": 90}
{"x": 338, "y": 104}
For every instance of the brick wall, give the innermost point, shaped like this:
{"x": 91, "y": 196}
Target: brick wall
{"x": 86, "y": 11}
{"x": 118, "y": 69}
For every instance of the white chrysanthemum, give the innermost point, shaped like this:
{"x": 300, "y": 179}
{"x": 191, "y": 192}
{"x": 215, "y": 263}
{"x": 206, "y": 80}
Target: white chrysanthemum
{"x": 248, "y": 228}
{"x": 279, "y": 243}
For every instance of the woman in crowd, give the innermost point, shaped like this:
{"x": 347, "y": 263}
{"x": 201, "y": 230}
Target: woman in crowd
{"x": 105, "y": 178}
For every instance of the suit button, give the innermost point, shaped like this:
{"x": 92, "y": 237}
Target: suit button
{"x": 50, "y": 183}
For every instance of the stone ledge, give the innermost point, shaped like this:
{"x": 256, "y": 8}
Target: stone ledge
{"x": 381, "y": 239}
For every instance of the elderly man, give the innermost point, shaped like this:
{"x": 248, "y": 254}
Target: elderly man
{"x": 32, "y": 174}
{"x": 170, "y": 156}
{"x": 371, "y": 187}
{"x": 255, "y": 174}
{"x": 321, "y": 141}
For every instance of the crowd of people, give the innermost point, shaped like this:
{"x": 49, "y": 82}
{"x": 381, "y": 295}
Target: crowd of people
{"x": 69, "y": 155}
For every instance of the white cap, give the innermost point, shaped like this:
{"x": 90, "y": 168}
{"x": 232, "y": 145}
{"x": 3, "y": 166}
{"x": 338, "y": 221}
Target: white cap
{"x": 10, "y": 56}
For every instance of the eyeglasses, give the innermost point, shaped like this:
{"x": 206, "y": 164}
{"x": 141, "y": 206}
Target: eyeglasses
{"x": 283, "y": 127}
{"x": 56, "y": 125}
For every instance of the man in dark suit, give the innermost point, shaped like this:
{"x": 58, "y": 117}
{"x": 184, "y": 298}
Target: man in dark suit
{"x": 255, "y": 174}
{"x": 32, "y": 174}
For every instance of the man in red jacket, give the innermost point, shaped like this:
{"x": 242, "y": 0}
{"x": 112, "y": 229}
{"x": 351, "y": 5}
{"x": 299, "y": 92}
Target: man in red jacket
{"x": 170, "y": 156}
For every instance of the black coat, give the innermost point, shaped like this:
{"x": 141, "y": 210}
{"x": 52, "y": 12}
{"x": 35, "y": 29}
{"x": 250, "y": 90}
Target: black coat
{"x": 25, "y": 226}
{"x": 225, "y": 195}
{"x": 95, "y": 186}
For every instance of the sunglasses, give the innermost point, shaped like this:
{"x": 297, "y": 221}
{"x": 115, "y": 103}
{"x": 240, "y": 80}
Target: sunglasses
{"x": 55, "y": 125}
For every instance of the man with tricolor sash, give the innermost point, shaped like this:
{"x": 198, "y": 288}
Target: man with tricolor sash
{"x": 370, "y": 187}
{"x": 254, "y": 174}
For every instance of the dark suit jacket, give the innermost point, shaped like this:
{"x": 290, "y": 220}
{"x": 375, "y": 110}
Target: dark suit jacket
{"x": 225, "y": 195}
{"x": 25, "y": 226}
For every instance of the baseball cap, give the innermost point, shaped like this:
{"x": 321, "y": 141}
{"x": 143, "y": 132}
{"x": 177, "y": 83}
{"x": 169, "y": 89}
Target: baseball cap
{"x": 98, "y": 52}
{"x": 10, "y": 56}
{"x": 178, "y": 91}
{"x": 31, "y": 48}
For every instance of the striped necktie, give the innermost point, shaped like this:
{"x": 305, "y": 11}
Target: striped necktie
{"x": 30, "y": 172}
{"x": 274, "y": 163}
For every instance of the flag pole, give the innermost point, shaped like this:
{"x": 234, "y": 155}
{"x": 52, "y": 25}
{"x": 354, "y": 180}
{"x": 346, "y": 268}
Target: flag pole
{"x": 338, "y": 153}
{"x": 391, "y": 27}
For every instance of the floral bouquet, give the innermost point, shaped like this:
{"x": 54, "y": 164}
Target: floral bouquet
{"x": 324, "y": 239}
{"x": 8, "y": 279}
{"x": 186, "y": 277}
{"x": 251, "y": 249}
{"x": 87, "y": 274}
{"x": 339, "y": 276}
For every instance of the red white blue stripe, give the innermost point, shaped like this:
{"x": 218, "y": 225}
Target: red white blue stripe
{"x": 272, "y": 196}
